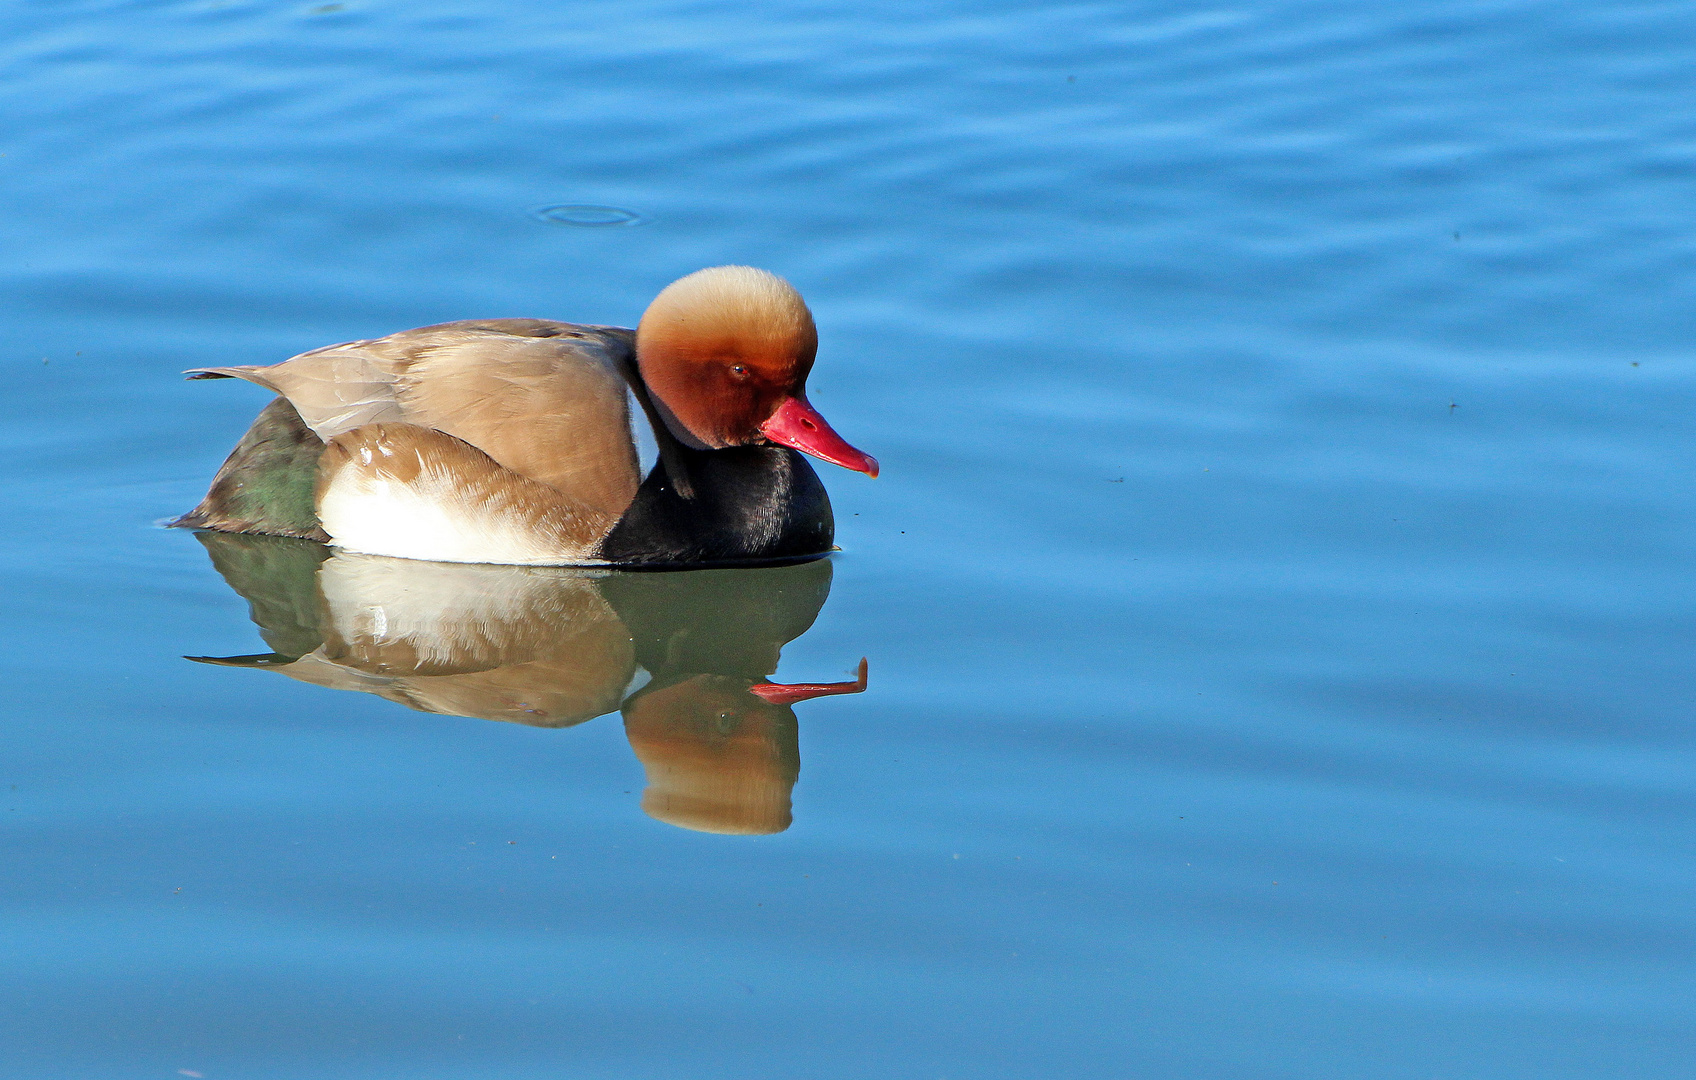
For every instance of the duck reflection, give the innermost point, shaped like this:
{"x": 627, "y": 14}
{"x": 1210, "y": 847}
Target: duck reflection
{"x": 685, "y": 656}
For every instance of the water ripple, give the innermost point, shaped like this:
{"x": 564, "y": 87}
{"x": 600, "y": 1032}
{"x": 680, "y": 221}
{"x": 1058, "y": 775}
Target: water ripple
{"x": 584, "y": 216}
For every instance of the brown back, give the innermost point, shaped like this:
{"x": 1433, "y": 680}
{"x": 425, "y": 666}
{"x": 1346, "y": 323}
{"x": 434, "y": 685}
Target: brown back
{"x": 543, "y": 399}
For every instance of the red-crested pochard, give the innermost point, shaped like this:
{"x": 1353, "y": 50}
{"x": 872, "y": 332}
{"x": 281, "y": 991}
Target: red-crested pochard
{"x": 510, "y": 441}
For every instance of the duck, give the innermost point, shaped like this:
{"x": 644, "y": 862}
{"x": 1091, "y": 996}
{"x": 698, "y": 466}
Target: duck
{"x": 511, "y": 441}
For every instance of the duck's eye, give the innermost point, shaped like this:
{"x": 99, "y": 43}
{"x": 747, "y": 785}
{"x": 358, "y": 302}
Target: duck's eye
{"x": 739, "y": 371}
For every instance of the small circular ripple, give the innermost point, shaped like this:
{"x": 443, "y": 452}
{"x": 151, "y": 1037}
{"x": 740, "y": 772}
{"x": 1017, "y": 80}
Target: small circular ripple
{"x": 587, "y": 217}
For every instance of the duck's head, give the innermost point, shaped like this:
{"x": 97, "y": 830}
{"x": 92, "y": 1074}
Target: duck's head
{"x": 726, "y": 352}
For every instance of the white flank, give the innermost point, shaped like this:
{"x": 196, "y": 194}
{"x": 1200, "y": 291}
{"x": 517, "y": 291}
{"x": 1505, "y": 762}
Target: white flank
{"x": 430, "y": 519}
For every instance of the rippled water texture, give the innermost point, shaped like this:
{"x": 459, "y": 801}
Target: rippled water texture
{"x": 1277, "y": 597}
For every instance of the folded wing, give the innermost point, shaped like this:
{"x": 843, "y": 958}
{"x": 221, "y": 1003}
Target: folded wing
{"x": 542, "y": 399}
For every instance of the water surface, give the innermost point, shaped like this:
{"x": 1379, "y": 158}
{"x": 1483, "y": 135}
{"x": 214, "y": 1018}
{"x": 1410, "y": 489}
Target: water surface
{"x": 1277, "y": 596}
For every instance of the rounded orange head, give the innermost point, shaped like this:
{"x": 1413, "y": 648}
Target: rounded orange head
{"x": 726, "y": 352}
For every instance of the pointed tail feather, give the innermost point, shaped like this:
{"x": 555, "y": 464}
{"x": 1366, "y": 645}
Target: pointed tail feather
{"x": 225, "y": 373}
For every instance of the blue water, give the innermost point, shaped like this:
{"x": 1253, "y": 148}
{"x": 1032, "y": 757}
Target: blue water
{"x": 1278, "y": 597}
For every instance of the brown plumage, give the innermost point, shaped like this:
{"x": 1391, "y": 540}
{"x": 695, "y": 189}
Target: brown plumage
{"x": 543, "y": 399}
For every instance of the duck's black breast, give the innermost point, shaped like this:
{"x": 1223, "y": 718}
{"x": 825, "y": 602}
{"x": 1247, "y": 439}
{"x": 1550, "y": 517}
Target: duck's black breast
{"x": 746, "y": 504}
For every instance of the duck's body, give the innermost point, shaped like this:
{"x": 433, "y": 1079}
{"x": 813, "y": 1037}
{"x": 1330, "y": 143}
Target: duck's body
{"x": 510, "y": 440}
